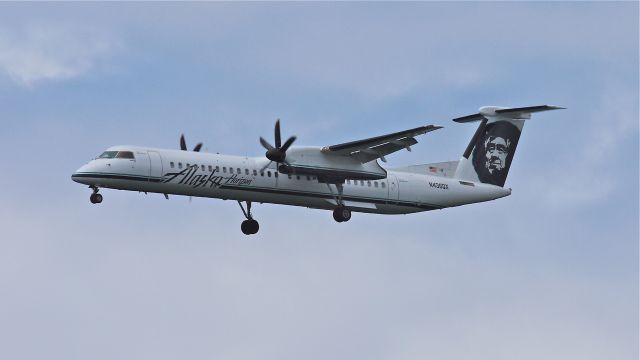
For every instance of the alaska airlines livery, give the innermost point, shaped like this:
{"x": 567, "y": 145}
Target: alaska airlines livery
{"x": 343, "y": 178}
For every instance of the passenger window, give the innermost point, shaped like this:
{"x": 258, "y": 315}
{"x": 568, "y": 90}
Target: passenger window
{"x": 348, "y": 181}
{"x": 268, "y": 173}
{"x": 246, "y": 171}
{"x": 230, "y": 170}
{"x": 369, "y": 183}
{"x": 383, "y": 185}
{"x": 261, "y": 173}
{"x": 255, "y": 172}
{"x": 275, "y": 173}
{"x": 224, "y": 169}
{"x": 217, "y": 168}
{"x": 179, "y": 165}
{"x": 239, "y": 171}
{"x": 210, "y": 168}
{"x": 361, "y": 182}
{"x": 172, "y": 164}
{"x": 298, "y": 177}
{"x": 375, "y": 183}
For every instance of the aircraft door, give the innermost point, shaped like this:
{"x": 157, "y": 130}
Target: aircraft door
{"x": 394, "y": 187}
{"x": 155, "y": 165}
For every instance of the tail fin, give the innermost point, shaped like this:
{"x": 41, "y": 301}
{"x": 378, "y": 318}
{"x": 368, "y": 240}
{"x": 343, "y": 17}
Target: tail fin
{"x": 489, "y": 154}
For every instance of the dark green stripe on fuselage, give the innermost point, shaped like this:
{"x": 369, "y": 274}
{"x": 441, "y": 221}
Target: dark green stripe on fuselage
{"x": 266, "y": 190}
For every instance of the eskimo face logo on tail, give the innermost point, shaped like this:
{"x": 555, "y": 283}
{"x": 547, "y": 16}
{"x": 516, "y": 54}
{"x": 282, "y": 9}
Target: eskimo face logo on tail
{"x": 494, "y": 151}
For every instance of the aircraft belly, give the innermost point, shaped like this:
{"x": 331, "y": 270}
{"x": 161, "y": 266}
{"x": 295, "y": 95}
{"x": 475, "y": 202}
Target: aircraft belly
{"x": 294, "y": 196}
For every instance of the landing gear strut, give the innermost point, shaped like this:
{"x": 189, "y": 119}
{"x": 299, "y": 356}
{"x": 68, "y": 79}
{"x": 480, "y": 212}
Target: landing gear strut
{"x": 95, "y": 198}
{"x": 249, "y": 226}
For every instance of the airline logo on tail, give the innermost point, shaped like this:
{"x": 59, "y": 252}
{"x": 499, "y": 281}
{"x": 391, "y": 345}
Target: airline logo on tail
{"x": 494, "y": 150}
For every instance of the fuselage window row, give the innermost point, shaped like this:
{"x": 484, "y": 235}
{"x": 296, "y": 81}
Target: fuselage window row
{"x": 247, "y": 171}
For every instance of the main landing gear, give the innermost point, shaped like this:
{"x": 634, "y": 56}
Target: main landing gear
{"x": 341, "y": 213}
{"x": 95, "y": 198}
{"x": 249, "y": 226}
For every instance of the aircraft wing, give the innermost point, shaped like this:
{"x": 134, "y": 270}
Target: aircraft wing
{"x": 377, "y": 147}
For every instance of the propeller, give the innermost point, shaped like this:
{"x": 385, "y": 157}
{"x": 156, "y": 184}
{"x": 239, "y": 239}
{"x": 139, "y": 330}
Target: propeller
{"x": 277, "y": 153}
{"x": 183, "y": 145}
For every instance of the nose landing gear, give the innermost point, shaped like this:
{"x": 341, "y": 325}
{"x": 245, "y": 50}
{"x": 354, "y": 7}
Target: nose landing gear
{"x": 95, "y": 198}
{"x": 249, "y": 226}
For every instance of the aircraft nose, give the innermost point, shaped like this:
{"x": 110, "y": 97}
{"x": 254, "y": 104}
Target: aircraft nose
{"x": 78, "y": 176}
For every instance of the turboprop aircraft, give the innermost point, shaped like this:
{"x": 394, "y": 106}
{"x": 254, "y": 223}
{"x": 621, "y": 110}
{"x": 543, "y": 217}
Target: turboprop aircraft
{"x": 343, "y": 177}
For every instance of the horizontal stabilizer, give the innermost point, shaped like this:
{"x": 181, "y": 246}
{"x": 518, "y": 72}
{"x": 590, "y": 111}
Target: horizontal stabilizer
{"x": 514, "y": 113}
{"x": 469, "y": 118}
{"x": 527, "y": 110}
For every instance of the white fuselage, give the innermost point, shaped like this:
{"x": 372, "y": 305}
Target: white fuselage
{"x": 240, "y": 178}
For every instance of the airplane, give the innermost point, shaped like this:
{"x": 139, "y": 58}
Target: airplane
{"x": 344, "y": 178}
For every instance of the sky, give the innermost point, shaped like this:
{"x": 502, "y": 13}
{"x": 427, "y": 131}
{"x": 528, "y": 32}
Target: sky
{"x": 548, "y": 272}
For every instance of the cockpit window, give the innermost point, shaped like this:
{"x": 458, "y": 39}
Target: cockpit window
{"x": 125, "y": 155}
{"x": 108, "y": 155}
{"x": 117, "y": 155}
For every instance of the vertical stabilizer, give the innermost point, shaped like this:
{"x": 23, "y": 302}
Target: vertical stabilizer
{"x": 488, "y": 156}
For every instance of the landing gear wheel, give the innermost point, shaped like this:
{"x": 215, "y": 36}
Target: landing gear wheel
{"x": 254, "y": 226}
{"x": 95, "y": 198}
{"x": 249, "y": 227}
{"x": 341, "y": 214}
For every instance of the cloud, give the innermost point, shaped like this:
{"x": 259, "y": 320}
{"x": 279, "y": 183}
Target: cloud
{"x": 384, "y": 50}
{"x": 39, "y": 52}
{"x": 592, "y": 175}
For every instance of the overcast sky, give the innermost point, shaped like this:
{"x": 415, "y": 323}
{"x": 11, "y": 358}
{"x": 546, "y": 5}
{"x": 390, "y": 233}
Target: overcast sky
{"x": 549, "y": 272}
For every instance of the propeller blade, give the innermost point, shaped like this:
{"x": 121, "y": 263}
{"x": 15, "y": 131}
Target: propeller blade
{"x": 287, "y": 144}
{"x": 266, "y": 144}
{"x": 277, "y": 134}
{"x": 183, "y": 144}
{"x": 197, "y": 147}
{"x": 266, "y": 166}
